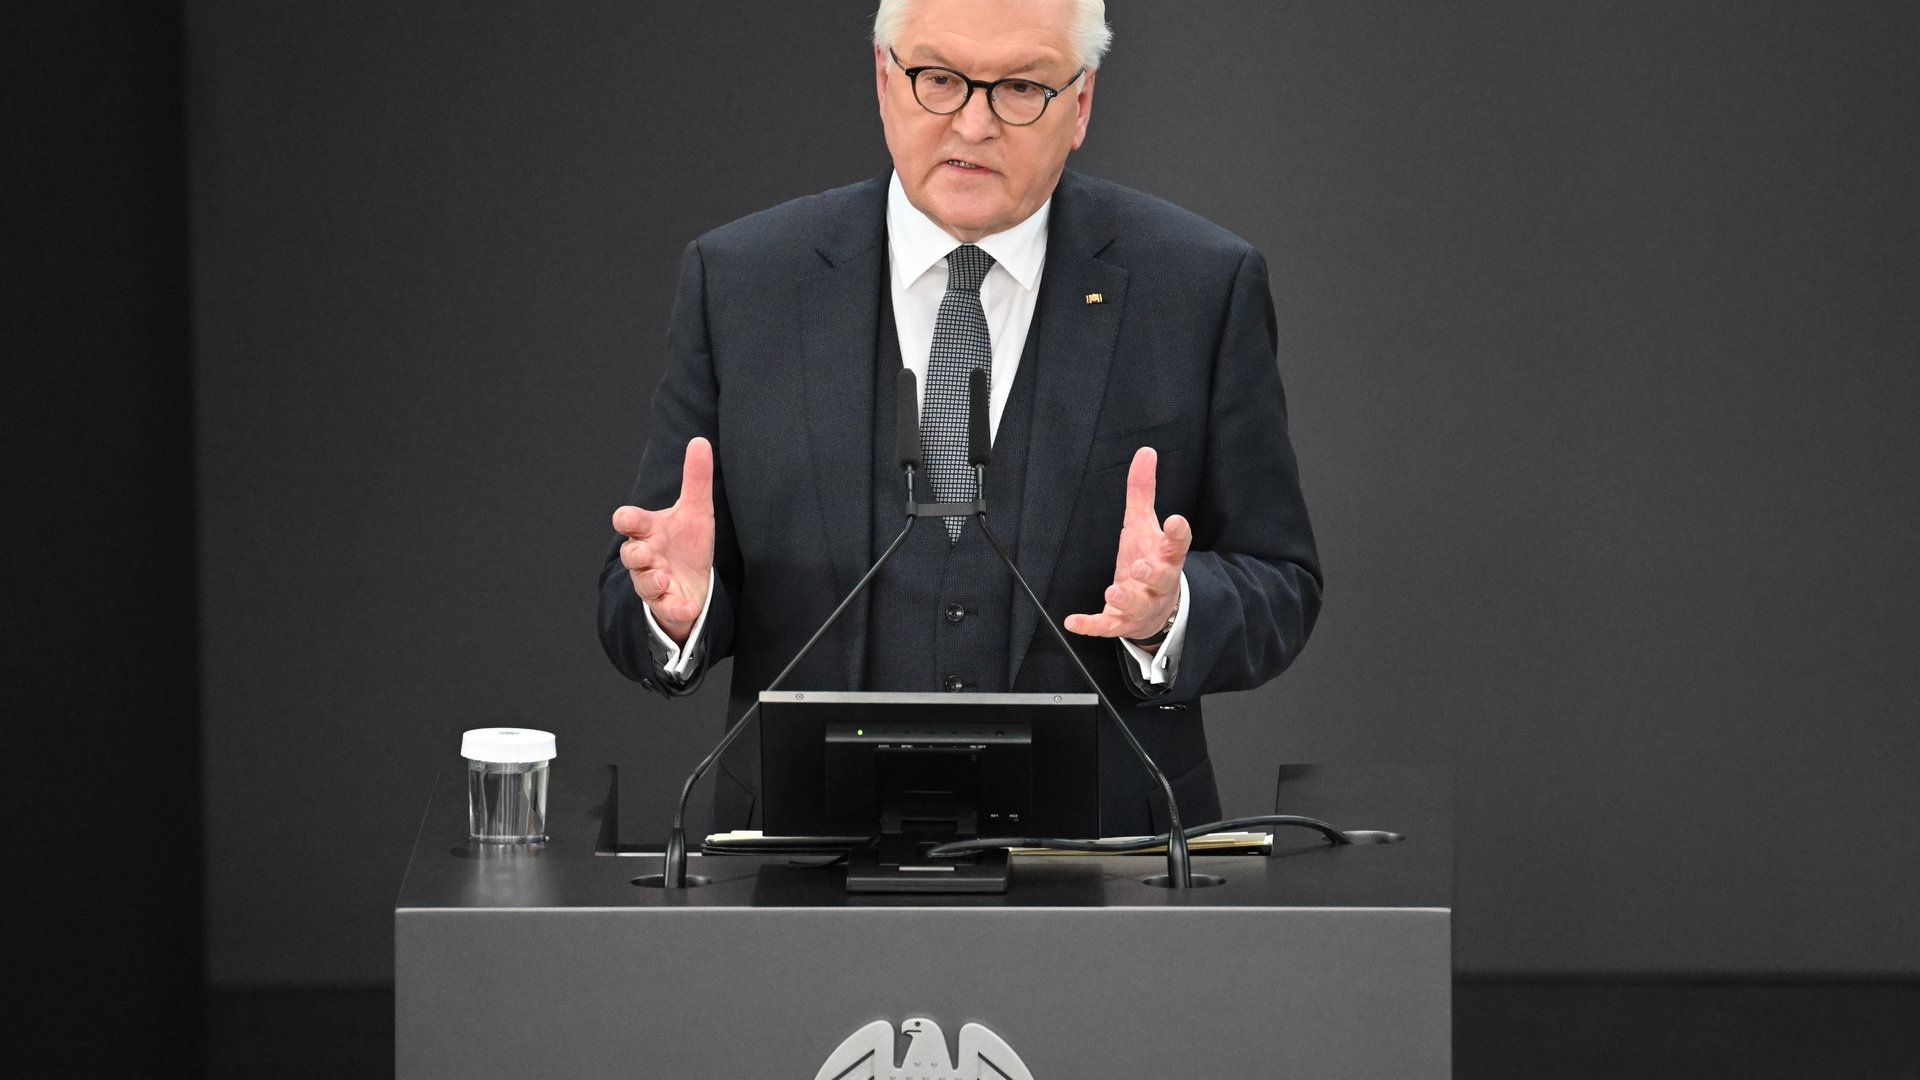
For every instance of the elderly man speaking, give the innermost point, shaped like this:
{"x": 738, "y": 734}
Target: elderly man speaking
{"x": 1141, "y": 476}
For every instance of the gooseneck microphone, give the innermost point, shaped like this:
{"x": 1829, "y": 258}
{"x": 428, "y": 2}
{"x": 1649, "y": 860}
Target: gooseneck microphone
{"x": 906, "y": 429}
{"x": 1179, "y": 864}
{"x": 673, "y": 868}
{"x": 980, "y": 451}
{"x": 979, "y": 434}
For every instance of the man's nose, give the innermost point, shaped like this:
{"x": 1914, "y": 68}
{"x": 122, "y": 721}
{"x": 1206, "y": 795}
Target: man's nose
{"x": 976, "y": 120}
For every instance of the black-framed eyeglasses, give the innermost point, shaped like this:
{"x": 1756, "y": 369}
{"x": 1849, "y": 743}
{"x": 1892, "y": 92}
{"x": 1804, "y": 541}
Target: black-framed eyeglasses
{"x": 944, "y": 91}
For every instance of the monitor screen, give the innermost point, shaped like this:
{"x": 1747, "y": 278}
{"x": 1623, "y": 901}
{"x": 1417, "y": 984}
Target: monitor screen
{"x": 929, "y": 765}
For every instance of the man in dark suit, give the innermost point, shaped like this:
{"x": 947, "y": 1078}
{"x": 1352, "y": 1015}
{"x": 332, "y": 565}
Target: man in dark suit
{"x": 1131, "y": 346}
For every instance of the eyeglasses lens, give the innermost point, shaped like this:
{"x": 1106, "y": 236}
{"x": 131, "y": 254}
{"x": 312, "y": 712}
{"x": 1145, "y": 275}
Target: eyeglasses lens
{"x": 1015, "y": 101}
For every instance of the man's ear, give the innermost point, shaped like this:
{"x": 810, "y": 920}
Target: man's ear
{"x": 1083, "y": 108}
{"x": 879, "y": 73}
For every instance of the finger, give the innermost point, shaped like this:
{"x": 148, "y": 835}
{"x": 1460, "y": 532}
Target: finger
{"x": 655, "y": 587}
{"x": 1157, "y": 577}
{"x": 1176, "y": 540}
{"x": 1140, "y": 489}
{"x": 1128, "y": 600}
{"x": 652, "y": 586}
{"x": 636, "y": 555}
{"x": 1134, "y": 612}
{"x": 686, "y": 610}
{"x": 633, "y": 522}
{"x": 1093, "y": 625}
{"x": 696, "y": 477}
{"x": 1160, "y": 567}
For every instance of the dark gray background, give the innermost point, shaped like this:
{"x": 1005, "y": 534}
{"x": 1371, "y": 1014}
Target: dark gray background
{"x": 1597, "y": 321}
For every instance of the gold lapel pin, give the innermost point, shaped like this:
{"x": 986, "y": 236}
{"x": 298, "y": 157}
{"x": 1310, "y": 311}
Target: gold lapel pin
{"x": 1095, "y": 298}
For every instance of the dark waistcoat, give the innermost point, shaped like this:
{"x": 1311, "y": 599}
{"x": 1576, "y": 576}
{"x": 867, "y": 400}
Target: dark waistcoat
{"x": 938, "y": 615}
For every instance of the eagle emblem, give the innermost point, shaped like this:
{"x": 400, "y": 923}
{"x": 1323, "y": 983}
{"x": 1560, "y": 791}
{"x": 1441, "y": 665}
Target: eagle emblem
{"x": 868, "y": 1055}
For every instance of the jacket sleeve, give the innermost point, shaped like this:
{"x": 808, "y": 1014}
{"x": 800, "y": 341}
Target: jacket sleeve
{"x": 1253, "y": 569}
{"x": 685, "y": 405}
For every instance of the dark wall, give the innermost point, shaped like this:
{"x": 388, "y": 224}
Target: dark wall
{"x": 97, "y": 582}
{"x": 1597, "y": 325}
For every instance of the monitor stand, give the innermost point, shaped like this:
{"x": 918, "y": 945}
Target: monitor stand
{"x": 898, "y": 864}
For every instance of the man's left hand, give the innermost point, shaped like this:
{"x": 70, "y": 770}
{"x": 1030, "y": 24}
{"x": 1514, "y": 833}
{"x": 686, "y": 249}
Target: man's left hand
{"x": 1146, "y": 572}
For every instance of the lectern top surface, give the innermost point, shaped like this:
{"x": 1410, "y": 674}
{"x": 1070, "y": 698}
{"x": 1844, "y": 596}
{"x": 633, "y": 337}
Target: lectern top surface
{"x": 447, "y": 871}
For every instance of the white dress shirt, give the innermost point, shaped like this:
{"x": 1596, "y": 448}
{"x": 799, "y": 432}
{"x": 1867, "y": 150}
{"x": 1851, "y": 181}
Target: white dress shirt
{"x": 917, "y": 274}
{"x": 917, "y": 271}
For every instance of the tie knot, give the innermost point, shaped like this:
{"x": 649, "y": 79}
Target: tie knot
{"x": 967, "y": 267}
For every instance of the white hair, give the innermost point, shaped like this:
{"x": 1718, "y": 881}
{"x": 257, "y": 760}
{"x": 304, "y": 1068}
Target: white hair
{"x": 1090, "y": 34}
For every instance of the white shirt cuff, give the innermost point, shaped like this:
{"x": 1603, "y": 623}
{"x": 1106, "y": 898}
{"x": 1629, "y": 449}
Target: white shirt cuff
{"x": 681, "y": 659}
{"x": 1157, "y": 667}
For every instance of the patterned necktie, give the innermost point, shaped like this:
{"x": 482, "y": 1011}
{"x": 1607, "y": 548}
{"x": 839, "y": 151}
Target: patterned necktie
{"x": 960, "y": 344}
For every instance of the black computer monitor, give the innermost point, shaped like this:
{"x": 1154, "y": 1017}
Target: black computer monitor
{"x": 911, "y": 770}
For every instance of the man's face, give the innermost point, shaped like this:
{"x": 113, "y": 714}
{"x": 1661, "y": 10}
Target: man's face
{"x": 969, "y": 172}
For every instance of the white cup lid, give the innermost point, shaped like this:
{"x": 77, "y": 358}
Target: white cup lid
{"x": 507, "y": 745}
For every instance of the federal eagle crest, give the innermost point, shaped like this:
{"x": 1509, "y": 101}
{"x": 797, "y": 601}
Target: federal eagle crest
{"x": 868, "y": 1055}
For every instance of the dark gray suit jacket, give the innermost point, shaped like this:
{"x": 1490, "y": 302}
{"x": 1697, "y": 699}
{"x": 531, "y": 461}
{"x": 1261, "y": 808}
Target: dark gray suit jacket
{"x": 771, "y": 356}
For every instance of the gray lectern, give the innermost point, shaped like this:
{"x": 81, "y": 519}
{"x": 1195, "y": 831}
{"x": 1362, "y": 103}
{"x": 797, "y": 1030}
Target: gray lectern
{"x": 1316, "y": 962}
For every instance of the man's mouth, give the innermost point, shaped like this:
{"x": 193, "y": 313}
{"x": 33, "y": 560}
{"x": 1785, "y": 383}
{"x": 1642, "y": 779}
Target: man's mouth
{"x": 957, "y": 163}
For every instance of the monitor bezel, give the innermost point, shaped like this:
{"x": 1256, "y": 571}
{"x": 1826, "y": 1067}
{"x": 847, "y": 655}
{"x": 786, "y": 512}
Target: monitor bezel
{"x": 1065, "y": 747}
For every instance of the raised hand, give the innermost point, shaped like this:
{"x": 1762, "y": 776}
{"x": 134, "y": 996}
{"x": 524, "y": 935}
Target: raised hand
{"x": 669, "y": 553}
{"x": 1146, "y": 571}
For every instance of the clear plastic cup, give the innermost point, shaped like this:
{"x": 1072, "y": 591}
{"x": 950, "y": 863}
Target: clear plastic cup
{"x": 507, "y": 784}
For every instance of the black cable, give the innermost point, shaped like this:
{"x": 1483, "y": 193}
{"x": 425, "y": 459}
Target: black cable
{"x": 964, "y": 847}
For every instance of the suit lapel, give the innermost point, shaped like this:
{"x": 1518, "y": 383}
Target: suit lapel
{"x": 839, "y": 326}
{"x": 1075, "y": 353}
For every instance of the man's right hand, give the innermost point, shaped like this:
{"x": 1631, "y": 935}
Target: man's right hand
{"x": 669, "y": 553}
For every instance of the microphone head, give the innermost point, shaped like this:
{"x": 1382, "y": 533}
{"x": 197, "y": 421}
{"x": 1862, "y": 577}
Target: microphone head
{"x": 907, "y": 419}
{"x": 979, "y": 418}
